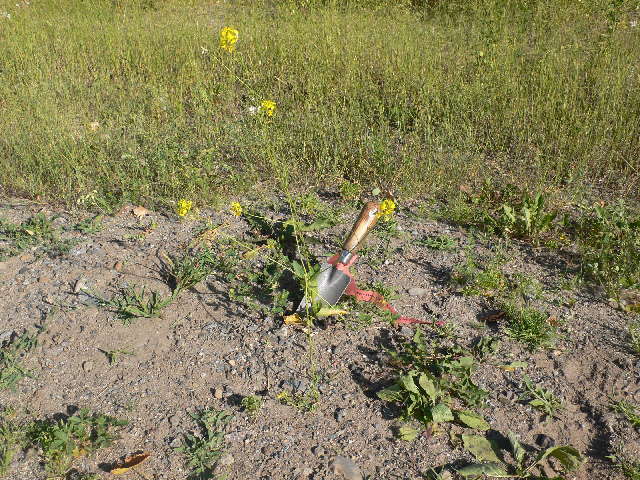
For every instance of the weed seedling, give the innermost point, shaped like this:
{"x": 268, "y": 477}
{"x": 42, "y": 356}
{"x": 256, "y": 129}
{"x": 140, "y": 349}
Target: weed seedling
{"x": 477, "y": 279}
{"x": 204, "y": 449}
{"x": 540, "y": 398}
{"x": 131, "y": 304}
{"x": 114, "y": 355}
{"x": 251, "y": 404}
{"x": 61, "y": 441}
{"x": 90, "y": 225}
{"x": 634, "y": 337}
{"x": 628, "y": 467}
{"x": 528, "y": 325}
{"x": 10, "y": 440}
{"x": 444, "y": 243}
{"x": 11, "y": 370}
{"x": 628, "y": 410}
{"x": 186, "y": 272}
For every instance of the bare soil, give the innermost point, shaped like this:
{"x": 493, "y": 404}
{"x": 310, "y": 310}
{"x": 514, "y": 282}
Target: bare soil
{"x": 207, "y": 351}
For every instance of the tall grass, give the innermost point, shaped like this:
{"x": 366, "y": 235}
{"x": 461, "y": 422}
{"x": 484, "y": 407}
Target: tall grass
{"x": 422, "y": 97}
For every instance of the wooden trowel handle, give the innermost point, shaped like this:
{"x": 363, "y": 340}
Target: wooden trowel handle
{"x": 367, "y": 219}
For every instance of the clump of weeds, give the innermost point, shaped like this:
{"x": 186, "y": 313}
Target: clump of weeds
{"x": 479, "y": 278}
{"x": 90, "y": 225}
{"x": 37, "y": 232}
{"x": 527, "y": 218}
{"x": 11, "y": 355}
{"x": 540, "y": 398}
{"x": 443, "y": 243}
{"x": 634, "y": 337}
{"x": 251, "y": 404}
{"x": 624, "y": 463}
{"x": 62, "y": 441}
{"x": 628, "y": 410}
{"x": 608, "y": 238}
{"x": 185, "y": 272}
{"x": 11, "y": 439}
{"x": 525, "y": 463}
{"x": 433, "y": 376}
{"x": 132, "y": 303}
{"x": 204, "y": 447}
{"x": 529, "y": 326}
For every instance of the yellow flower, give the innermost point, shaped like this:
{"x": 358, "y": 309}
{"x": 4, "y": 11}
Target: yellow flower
{"x": 184, "y": 207}
{"x": 268, "y": 107}
{"x": 387, "y": 207}
{"x": 236, "y": 209}
{"x": 228, "y": 39}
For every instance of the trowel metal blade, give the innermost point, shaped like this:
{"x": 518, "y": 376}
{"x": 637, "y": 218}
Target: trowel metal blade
{"x": 331, "y": 285}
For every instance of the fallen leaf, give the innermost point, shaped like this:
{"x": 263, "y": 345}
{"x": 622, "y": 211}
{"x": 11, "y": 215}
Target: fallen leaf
{"x": 293, "y": 319}
{"x": 494, "y": 317}
{"x": 513, "y": 366}
{"x": 79, "y": 452}
{"x": 553, "y": 321}
{"x": 140, "y": 211}
{"x": 118, "y": 266}
{"x": 130, "y": 461}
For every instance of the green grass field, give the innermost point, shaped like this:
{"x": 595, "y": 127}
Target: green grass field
{"x": 131, "y": 101}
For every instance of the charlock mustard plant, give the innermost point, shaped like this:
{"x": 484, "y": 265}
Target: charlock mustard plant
{"x": 268, "y": 108}
{"x": 184, "y": 207}
{"x": 228, "y": 38}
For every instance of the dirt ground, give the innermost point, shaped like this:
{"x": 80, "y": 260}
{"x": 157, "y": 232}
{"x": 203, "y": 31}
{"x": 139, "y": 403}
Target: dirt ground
{"x": 206, "y": 350}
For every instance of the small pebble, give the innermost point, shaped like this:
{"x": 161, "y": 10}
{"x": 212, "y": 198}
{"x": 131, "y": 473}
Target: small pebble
{"x": 226, "y": 460}
{"x": 87, "y": 366}
{"x": 217, "y": 393}
{"x": 173, "y": 420}
{"x": 347, "y": 468}
{"x": 418, "y": 292}
{"x": 81, "y": 283}
{"x": 318, "y": 451}
{"x": 340, "y": 414}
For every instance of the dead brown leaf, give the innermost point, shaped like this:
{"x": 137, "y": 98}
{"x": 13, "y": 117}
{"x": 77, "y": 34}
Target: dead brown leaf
{"x": 130, "y": 461}
{"x": 140, "y": 211}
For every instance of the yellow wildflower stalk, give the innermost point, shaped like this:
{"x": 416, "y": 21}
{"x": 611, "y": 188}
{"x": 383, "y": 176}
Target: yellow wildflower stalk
{"x": 228, "y": 38}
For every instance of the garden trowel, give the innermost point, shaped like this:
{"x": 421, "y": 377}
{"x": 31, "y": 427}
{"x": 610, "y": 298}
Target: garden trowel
{"x": 332, "y": 280}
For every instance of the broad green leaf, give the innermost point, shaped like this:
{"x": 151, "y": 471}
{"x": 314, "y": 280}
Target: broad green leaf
{"x": 490, "y": 469}
{"x": 391, "y": 394}
{"x": 568, "y": 456}
{"x": 537, "y": 403}
{"x": 375, "y": 192}
{"x": 408, "y": 383}
{"x": 441, "y": 413}
{"x": 516, "y": 448}
{"x": 328, "y": 312}
{"x": 465, "y": 362}
{"x": 481, "y": 448}
{"x": 408, "y": 433}
{"x": 428, "y": 386}
{"x": 472, "y": 420}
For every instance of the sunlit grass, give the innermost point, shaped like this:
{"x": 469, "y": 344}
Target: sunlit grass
{"x": 136, "y": 100}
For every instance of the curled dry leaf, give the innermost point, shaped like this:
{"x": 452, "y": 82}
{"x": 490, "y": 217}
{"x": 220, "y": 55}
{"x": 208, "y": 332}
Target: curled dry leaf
{"x": 140, "y": 211}
{"x": 294, "y": 319}
{"x": 130, "y": 461}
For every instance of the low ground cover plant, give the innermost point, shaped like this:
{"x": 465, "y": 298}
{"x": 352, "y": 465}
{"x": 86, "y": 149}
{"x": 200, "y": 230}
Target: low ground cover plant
{"x": 430, "y": 376}
{"x": 60, "y": 442}
{"x": 204, "y": 447}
